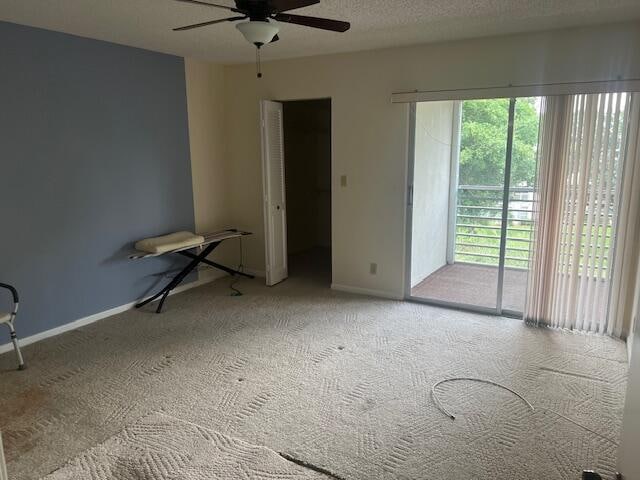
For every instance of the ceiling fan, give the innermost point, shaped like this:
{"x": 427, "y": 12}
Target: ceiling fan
{"x": 259, "y": 28}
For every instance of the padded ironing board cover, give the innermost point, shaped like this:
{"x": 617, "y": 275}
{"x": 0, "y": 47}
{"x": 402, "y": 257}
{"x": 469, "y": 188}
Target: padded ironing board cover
{"x": 166, "y": 243}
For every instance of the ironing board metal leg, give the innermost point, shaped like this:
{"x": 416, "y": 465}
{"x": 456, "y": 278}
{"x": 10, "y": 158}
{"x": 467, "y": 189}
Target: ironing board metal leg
{"x": 224, "y": 268}
{"x": 196, "y": 259}
{"x": 161, "y": 303}
{"x": 150, "y": 299}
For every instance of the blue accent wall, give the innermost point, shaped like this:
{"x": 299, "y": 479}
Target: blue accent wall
{"x": 94, "y": 155}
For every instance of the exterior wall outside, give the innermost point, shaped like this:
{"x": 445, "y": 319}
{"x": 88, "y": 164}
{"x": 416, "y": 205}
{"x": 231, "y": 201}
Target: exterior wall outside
{"x": 431, "y": 183}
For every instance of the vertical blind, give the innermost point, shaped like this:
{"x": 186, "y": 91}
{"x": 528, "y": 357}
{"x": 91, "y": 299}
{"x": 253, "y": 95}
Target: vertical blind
{"x": 582, "y": 146}
{"x": 626, "y": 278}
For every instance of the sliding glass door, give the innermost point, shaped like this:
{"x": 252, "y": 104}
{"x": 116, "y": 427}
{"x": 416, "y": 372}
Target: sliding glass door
{"x": 470, "y": 208}
{"x": 521, "y": 196}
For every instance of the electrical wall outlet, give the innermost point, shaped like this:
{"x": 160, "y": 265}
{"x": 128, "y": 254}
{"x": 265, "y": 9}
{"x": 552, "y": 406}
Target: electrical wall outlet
{"x": 343, "y": 180}
{"x": 373, "y": 268}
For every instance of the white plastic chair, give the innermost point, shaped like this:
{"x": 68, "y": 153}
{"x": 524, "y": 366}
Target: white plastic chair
{"x": 8, "y": 319}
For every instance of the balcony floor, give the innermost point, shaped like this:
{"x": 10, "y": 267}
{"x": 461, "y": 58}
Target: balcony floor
{"x": 474, "y": 285}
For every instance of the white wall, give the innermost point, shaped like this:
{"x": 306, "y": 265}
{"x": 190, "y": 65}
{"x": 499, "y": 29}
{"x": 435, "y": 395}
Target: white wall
{"x": 628, "y": 460}
{"x": 370, "y": 134}
{"x": 205, "y": 105}
{"x": 634, "y": 324}
{"x": 432, "y": 167}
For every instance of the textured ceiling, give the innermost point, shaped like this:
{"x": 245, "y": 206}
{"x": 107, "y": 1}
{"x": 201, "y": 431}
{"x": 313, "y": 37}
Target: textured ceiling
{"x": 375, "y": 23}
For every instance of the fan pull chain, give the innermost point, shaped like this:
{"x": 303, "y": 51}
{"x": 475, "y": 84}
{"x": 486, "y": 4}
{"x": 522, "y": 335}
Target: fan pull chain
{"x": 258, "y": 67}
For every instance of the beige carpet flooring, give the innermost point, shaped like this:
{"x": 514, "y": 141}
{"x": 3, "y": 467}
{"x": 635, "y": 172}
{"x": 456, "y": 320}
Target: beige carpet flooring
{"x": 160, "y": 446}
{"x": 339, "y": 381}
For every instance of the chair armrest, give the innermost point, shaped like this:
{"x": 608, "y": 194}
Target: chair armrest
{"x": 13, "y": 291}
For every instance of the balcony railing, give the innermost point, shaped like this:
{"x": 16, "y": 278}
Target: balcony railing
{"x": 479, "y": 225}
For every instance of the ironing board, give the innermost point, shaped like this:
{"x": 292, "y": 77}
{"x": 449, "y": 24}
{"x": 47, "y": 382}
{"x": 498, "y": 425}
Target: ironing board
{"x": 211, "y": 241}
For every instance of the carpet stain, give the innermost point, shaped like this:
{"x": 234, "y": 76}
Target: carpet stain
{"x": 19, "y": 441}
{"x": 25, "y": 403}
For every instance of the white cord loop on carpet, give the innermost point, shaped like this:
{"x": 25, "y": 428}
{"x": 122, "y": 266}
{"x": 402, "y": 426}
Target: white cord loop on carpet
{"x": 482, "y": 380}
{"x": 452, "y": 417}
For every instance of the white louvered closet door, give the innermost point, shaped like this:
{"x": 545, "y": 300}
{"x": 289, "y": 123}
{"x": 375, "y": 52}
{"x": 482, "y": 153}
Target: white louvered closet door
{"x": 275, "y": 216}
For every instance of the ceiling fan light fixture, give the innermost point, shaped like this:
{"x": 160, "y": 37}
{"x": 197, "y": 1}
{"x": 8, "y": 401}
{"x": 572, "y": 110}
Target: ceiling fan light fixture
{"x": 258, "y": 32}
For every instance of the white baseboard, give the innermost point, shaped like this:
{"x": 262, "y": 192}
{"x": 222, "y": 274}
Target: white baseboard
{"x": 204, "y": 277}
{"x": 366, "y": 291}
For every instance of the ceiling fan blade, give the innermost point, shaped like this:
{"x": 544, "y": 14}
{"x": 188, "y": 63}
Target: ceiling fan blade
{"x": 315, "y": 22}
{"x": 198, "y": 2}
{"x": 278, "y": 6}
{"x": 204, "y": 24}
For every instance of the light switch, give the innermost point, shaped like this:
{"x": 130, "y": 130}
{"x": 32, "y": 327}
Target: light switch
{"x": 343, "y": 180}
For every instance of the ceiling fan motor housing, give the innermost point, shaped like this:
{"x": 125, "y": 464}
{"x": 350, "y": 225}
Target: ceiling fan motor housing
{"x": 258, "y": 32}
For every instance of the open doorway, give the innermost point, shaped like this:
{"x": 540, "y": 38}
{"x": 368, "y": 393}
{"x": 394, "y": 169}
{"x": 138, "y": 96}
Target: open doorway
{"x": 307, "y": 162}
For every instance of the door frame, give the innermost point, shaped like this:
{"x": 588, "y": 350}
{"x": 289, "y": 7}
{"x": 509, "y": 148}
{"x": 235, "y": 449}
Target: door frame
{"x": 335, "y": 180}
{"x": 497, "y": 310}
